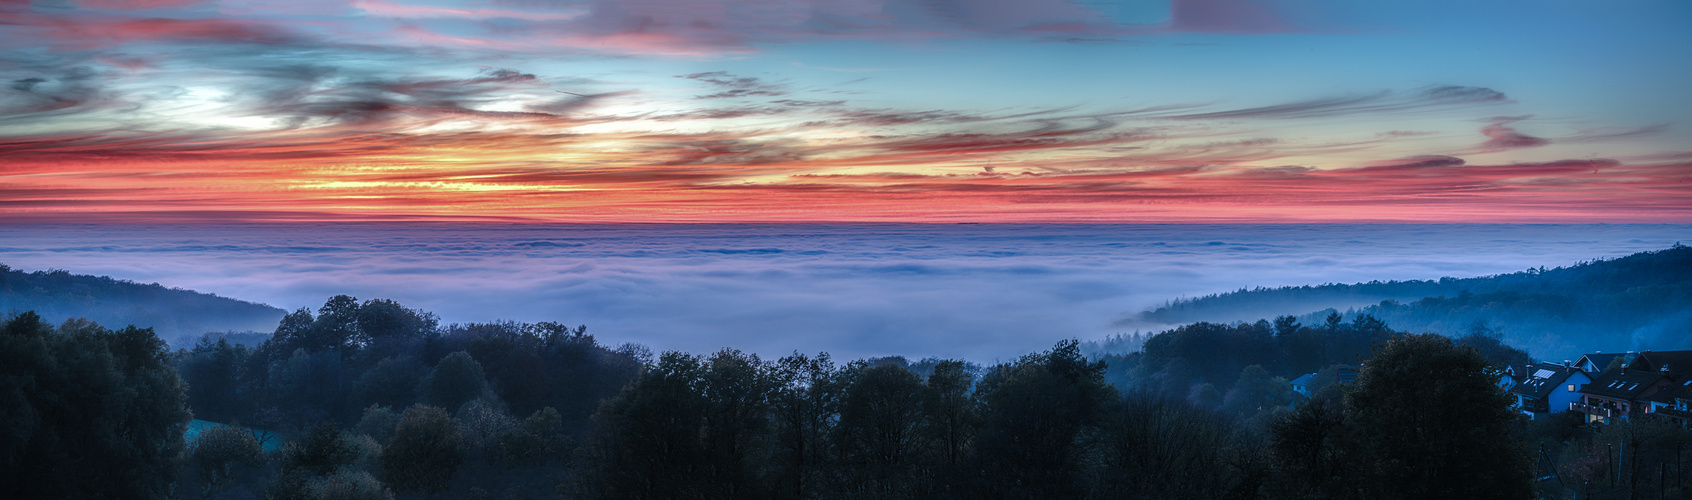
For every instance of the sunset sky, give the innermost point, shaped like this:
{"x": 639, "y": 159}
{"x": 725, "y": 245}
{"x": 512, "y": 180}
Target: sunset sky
{"x": 846, "y": 110}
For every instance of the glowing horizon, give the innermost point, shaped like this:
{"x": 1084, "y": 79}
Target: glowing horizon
{"x": 872, "y": 111}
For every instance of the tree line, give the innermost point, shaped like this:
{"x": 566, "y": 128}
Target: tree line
{"x": 173, "y": 313}
{"x": 375, "y": 400}
{"x": 1640, "y": 299}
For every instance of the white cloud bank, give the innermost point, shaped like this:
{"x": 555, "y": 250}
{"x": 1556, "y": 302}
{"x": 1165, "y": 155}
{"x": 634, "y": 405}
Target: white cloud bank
{"x": 982, "y": 292}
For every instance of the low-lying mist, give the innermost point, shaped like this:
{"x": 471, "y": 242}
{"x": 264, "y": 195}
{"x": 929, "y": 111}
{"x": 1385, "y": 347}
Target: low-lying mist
{"x": 981, "y": 292}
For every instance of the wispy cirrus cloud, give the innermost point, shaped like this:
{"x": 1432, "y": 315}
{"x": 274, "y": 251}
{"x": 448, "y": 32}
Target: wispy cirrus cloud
{"x": 1035, "y": 163}
{"x": 1227, "y": 16}
{"x": 1380, "y": 103}
{"x": 88, "y": 31}
{"x": 427, "y": 110}
{"x": 727, "y": 86}
{"x": 1500, "y": 136}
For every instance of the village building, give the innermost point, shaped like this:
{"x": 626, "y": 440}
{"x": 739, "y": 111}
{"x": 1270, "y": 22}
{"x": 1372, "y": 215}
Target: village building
{"x": 1547, "y": 388}
{"x": 1649, "y": 382}
{"x": 1618, "y": 394}
{"x": 1302, "y": 384}
{"x": 1306, "y": 385}
{"x": 1599, "y": 361}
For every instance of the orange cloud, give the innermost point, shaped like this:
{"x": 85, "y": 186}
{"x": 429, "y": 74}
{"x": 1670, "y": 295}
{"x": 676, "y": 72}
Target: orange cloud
{"x": 710, "y": 177}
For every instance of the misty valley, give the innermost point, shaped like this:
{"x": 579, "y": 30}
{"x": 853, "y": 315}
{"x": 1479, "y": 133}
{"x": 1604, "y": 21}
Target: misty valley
{"x": 374, "y": 399}
{"x": 845, "y": 249}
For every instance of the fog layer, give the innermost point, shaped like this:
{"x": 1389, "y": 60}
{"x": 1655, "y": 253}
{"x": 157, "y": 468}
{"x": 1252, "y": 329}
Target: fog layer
{"x": 981, "y": 292}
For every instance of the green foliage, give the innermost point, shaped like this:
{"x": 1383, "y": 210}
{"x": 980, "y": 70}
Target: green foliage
{"x": 1305, "y": 445}
{"x": 424, "y": 453}
{"x": 648, "y": 442}
{"x": 1038, "y": 413}
{"x": 736, "y": 387}
{"x": 1257, "y": 390}
{"x": 1205, "y": 395}
{"x": 322, "y": 451}
{"x": 309, "y": 384}
{"x": 171, "y": 312}
{"x": 731, "y": 425}
{"x": 482, "y": 424}
{"x": 1641, "y": 299}
{"x": 1152, "y": 446}
{"x": 392, "y": 382}
{"x": 87, "y": 412}
{"x": 805, "y": 403}
{"x": 214, "y": 372}
{"x": 220, "y": 451}
{"x": 1489, "y": 342}
{"x": 456, "y": 380}
{"x": 1203, "y": 362}
{"x": 950, "y": 416}
{"x": 1426, "y": 419}
{"x": 879, "y": 437}
{"x": 537, "y": 440}
{"x": 378, "y": 422}
{"x": 349, "y": 485}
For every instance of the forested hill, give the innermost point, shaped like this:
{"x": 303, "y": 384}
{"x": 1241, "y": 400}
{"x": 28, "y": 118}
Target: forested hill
{"x": 172, "y": 313}
{"x": 1642, "y": 301}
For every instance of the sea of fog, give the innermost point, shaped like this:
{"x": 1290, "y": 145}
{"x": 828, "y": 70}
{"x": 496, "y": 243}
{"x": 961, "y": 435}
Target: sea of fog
{"x": 979, "y": 291}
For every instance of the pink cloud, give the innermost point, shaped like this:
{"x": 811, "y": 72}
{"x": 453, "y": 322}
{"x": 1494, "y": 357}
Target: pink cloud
{"x": 92, "y": 31}
{"x": 136, "y": 4}
{"x": 708, "y": 27}
{"x": 1226, "y": 16}
{"x": 1501, "y": 137}
{"x": 397, "y": 10}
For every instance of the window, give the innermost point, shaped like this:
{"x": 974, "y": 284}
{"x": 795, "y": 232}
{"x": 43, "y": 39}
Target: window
{"x": 1571, "y": 388}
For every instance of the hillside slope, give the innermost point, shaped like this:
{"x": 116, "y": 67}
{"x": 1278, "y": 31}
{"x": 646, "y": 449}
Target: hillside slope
{"x": 1642, "y": 301}
{"x": 172, "y": 313}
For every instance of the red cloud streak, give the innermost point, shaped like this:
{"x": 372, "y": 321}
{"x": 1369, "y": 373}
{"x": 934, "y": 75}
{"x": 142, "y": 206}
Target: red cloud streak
{"x": 426, "y": 185}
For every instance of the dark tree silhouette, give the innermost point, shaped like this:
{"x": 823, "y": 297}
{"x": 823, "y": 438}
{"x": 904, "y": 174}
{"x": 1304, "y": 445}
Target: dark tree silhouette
{"x": 648, "y": 442}
{"x": 456, "y": 380}
{"x": 220, "y": 453}
{"x": 424, "y": 453}
{"x": 950, "y": 416}
{"x": 1037, "y": 415}
{"x": 880, "y": 420}
{"x": 87, "y": 412}
{"x": 1425, "y": 419}
{"x": 736, "y": 387}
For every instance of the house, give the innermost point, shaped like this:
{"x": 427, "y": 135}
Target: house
{"x": 1301, "y": 384}
{"x": 1547, "y": 388}
{"x": 1511, "y": 375}
{"x": 1346, "y": 374}
{"x": 1676, "y": 364}
{"x": 1309, "y": 383}
{"x": 1597, "y": 362}
{"x": 1648, "y": 382}
{"x": 1622, "y": 393}
{"x": 1672, "y": 400}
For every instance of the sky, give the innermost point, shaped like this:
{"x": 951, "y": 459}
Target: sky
{"x": 1197, "y": 111}
{"x": 982, "y": 292}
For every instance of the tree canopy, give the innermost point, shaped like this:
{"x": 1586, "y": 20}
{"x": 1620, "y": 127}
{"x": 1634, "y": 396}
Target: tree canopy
{"x": 87, "y": 412}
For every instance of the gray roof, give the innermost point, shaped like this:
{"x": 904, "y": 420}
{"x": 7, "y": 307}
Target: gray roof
{"x": 1601, "y": 360}
{"x": 1542, "y": 378}
{"x": 1675, "y": 364}
{"x": 1623, "y": 384}
{"x": 1675, "y": 390}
